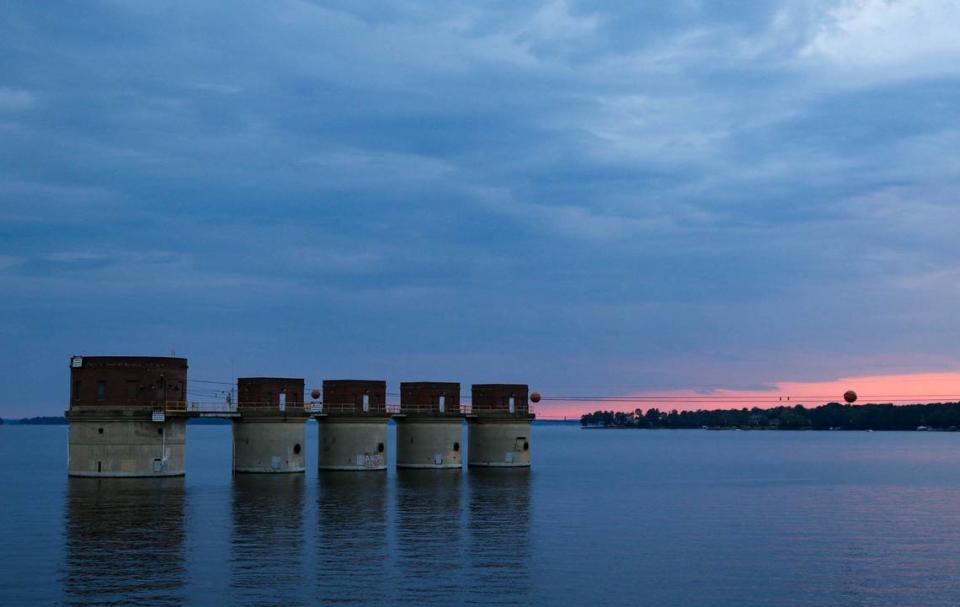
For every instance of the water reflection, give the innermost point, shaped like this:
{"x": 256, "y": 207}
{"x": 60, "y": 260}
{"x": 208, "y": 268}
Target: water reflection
{"x": 430, "y": 538}
{"x": 267, "y": 541}
{"x": 498, "y": 549}
{"x": 124, "y": 541}
{"x": 352, "y": 537}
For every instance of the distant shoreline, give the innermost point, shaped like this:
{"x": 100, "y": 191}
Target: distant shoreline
{"x": 775, "y": 429}
{"x": 57, "y": 420}
{"x": 940, "y": 417}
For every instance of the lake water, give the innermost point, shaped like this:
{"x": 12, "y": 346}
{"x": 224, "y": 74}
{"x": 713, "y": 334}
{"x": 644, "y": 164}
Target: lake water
{"x": 617, "y": 517}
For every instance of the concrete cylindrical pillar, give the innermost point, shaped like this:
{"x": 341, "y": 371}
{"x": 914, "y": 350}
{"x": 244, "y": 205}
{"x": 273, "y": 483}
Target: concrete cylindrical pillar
{"x": 425, "y": 442}
{"x": 269, "y": 445}
{"x": 117, "y": 447}
{"x": 498, "y": 443}
{"x": 352, "y": 443}
{"x": 119, "y": 425}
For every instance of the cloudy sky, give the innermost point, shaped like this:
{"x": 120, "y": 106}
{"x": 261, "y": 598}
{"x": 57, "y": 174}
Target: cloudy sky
{"x": 597, "y": 198}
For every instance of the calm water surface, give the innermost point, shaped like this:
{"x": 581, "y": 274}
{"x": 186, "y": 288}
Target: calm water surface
{"x": 619, "y": 517}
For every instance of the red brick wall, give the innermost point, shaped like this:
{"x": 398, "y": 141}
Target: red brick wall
{"x": 341, "y": 391}
{"x": 127, "y": 380}
{"x": 266, "y": 390}
{"x": 496, "y": 397}
{"x": 428, "y": 393}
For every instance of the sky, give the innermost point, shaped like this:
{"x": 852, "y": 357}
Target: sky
{"x": 594, "y": 198}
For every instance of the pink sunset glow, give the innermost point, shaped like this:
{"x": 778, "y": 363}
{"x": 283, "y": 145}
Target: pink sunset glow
{"x": 897, "y": 389}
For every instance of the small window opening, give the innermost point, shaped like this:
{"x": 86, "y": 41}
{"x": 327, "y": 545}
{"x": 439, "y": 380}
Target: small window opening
{"x": 380, "y": 447}
{"x": 99, "y": 430}
{"x": 456, "y": 446}
{"x": 526, "y": 445}
{"x": 296, "y": 448}
{"x": 100, "y": 465}
{"x": 160, "y": 431}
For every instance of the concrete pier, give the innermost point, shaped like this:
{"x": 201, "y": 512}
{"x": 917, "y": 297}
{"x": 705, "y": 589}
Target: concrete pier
{"x": 128, "y": 418}
{"x": 119, "y": 425}
{"x": 273, "y": 444}
{"x": 270, "y": 434}
{"x": 429, "y": 425}
{"x": 352, "y": 425}
{"x": 114, "y": 446}
{"x": 499, "y": 426}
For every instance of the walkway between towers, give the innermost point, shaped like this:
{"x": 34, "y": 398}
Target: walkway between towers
{"x": 314, "y": 409}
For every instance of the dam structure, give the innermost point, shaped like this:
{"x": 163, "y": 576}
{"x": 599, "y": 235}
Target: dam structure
{"x": 429, "y": 425}
{"x": 499, "y": 424}
{"x": 118, "y": 423}
{"x": 269, "y": 433}
{"x": 352, "y": 425}
{"x": 128, "y": 418}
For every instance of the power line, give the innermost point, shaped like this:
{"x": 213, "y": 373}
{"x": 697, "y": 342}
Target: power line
{"x": 703, "y": 398}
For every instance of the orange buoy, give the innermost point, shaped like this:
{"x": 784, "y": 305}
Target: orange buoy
{"x": 535, "y": 397}
{"x": 850, "y": 396}
{"x": 315, "y": 394}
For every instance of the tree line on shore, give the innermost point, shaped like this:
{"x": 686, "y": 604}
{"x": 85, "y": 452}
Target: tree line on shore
{"x": 37, "y": 421}
{"x": 831, "y": 416}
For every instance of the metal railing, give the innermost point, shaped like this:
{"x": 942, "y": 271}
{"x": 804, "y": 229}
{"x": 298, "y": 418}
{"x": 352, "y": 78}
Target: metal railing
{"x": 196, "y": 406}
{"x": 519, "y": 410}
{"x": 211, "y": 407}
{"x": 176, "y": 406}
{"x": 426, "y": 409}
{"x": 351, "y": 409}
{"x": 288, "y": 406}
{"x": 318, "y": 408}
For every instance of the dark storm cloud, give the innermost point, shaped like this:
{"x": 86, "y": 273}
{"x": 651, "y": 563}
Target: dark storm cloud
{"x": 593, "y": 197}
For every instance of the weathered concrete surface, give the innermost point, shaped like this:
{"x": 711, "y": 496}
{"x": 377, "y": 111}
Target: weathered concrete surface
{"x": 127, "y": 448}
{"x": 424, "y": 442}
{"x": 269, "y": 445}
{"x": 348, "y": 443}
{"x": 498, "y": 442}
